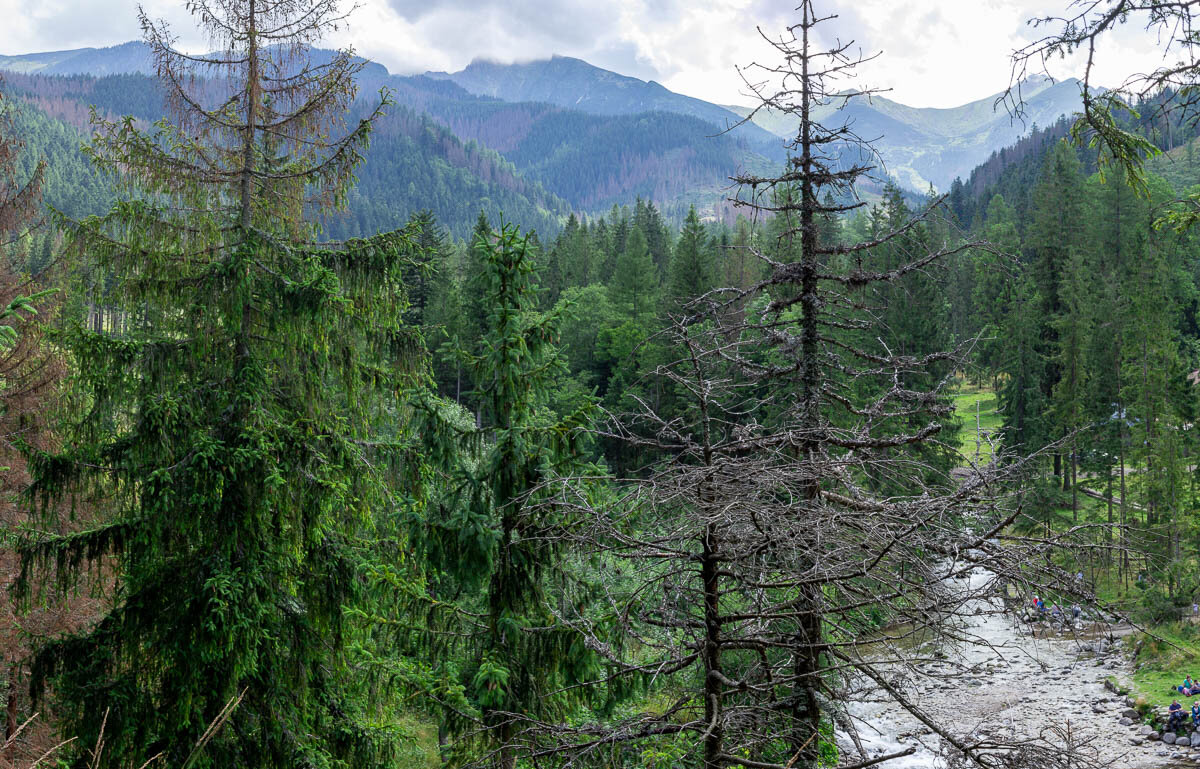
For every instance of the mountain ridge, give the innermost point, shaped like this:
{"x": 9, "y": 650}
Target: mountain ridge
{"x": 593, "y": 137}
{"x": 590, "y": 161}
{"x": 566, "y": 81}
{"x": 935, "y": 145}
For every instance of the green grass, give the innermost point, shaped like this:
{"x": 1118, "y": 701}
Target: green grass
{"x": 1156, "y": 687}
{"x": 420, "y": 749}
{"x": 1163, "y": 659}
{"x": 976, "y": 407}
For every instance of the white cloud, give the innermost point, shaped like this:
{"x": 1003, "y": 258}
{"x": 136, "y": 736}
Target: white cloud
{"x": 935, "y": 52}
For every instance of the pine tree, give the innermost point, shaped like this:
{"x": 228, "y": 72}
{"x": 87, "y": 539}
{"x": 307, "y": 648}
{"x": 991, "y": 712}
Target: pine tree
{"x": 229, "y": 443}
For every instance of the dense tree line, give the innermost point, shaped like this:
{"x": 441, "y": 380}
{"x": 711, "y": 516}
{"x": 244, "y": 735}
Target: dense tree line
{"x": 553, "y": 159}
{"x": 591, "y": 490}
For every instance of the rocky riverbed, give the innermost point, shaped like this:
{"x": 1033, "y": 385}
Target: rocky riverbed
{"x": 1019, "y": 688}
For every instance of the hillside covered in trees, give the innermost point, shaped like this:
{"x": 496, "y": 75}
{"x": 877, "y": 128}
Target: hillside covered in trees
{"x": 350, "y": 420}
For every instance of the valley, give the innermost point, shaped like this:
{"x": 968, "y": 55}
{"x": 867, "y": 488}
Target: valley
{"x": 497, "y": 410}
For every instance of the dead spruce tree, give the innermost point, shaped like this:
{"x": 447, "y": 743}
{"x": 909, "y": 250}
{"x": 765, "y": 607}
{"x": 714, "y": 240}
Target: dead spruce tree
{"x": 795, "y": 548}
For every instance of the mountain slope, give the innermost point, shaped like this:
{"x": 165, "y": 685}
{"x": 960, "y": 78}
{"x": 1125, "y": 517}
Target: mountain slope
{"x": 413, "y": 163}
{"x": 585, "y": 159}
{"x": 126, "y": 58}
{"x": 573, "y": 83}
{"x": 591, "y": 161}
{"x": 923, "y": 146}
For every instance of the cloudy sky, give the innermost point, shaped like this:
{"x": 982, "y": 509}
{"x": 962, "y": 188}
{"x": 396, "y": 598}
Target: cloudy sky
{"x": 935, "y": 53}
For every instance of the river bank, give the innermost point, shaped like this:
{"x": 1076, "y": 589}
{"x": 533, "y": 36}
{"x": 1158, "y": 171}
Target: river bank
{"x": 1005, "y": 683}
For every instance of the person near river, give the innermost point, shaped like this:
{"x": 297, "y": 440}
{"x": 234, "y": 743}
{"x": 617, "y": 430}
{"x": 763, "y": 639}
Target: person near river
{"x": 1187, "y": 685}
{"x": 1196, "y": 714}
{"x": 1075, "y": 612}
{"x": 1175, "y": 716}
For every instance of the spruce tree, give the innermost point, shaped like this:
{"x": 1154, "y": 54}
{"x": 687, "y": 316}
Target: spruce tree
{"x": 524, "y": 656}
{"x": 1022, "y": 395}
{"x": 658, "y": 240}
{"x": 693, "y": 268}
{"x": 635, "y": 282}
{"x": 1054, "y": 233}
{"x": 231, "y": 438}
{"x": 431, "y": 256}
{"x": 1072, "y": 328}
{"x": 994, "y": 271}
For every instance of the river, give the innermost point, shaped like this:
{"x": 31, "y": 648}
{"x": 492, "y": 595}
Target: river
{"x": 1018, "y": 687}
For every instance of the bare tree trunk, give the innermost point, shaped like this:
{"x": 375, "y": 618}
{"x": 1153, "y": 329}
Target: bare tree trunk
{"x": 710, "y": 579}
{"x": 806, "y": 710}
{"x": 252, "y": 96}
{"x": 1108, "y": 531}
{"x": 1074, "y": 481}
{"x": 1124, "y": 518}
{"x": 10, "y": 713}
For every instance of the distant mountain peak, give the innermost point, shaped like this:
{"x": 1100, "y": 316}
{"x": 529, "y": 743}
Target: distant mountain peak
{"x": 569, "y": 82}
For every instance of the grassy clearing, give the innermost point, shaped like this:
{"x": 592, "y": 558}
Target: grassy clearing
{"x": 1162, "y": 660}
{"x": 977, "y": 408}
{"x": 420, "y": 750}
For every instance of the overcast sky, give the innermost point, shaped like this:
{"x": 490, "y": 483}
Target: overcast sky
{"x": 935, "y": 53}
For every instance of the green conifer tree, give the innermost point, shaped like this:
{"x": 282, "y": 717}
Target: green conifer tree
{"x": 635, "y": 282}
{"x": 1072, "y": 328}
{"x": 1055, "y": 231}
{"x": 693, "y": 267}
{"x": 524, "y": 654}
{"x": 227, "y": 442}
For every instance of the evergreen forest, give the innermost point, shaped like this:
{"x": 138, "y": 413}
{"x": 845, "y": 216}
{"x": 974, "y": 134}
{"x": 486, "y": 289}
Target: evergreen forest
{"x": 350, "y": 420}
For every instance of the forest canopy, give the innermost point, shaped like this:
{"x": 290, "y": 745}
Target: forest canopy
{"x": 330, "y": 439}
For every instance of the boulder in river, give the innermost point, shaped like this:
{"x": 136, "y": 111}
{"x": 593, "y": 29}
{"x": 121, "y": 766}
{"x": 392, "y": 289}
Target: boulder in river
{"x": 1129, "y": 713}
{"x": 1168, "y": 738}
{"x": 1152, "y": 736}
{"x": 1144, "y": 730}
{"x": 1126, "y": 722}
